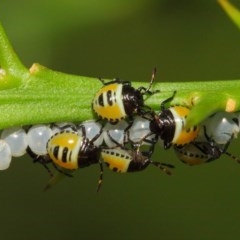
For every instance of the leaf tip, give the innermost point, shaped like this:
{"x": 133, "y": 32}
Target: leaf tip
{"x": 231, "y": 10}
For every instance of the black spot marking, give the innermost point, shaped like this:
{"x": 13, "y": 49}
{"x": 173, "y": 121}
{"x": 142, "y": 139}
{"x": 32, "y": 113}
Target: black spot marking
{"x": 64, "y": 154}
{"x": 55, "y": 152}
{"x": 109, "y": 97}
{"x": 100, "y": 100}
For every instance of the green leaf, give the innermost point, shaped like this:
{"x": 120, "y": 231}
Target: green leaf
{"x": 204, "y": 106}
{"x": 232, "y": 11}
{"x": 40, "y": 95}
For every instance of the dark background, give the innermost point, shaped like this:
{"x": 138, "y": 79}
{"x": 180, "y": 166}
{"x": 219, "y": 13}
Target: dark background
{"x": 187, "y": 41}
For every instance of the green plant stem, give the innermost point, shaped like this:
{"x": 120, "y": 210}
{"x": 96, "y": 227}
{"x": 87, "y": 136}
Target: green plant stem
{"x": 41, "y": 95}
{"x": 12, "y": 68}
{"x": 231, "y": 11}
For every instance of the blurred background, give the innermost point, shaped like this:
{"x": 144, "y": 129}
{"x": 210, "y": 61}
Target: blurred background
{"x": 186, "y": 41}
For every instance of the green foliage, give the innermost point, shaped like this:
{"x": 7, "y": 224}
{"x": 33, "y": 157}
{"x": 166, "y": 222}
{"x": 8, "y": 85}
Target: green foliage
{"x": 40, "y": 95}
{"x": 231, "y": 11}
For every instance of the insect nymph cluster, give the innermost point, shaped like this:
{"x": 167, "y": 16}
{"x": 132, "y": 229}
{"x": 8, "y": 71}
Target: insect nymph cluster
{"x": 123, "y": 136}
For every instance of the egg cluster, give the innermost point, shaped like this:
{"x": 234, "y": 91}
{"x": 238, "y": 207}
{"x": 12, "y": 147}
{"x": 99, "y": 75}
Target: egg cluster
{"x": 124, "y": 137}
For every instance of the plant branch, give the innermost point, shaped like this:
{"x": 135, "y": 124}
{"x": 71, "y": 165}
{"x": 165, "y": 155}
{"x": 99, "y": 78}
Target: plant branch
{"x": 231, "y": 11}
{"x": 10, "y": 65}
{"x": 40, "y": 95}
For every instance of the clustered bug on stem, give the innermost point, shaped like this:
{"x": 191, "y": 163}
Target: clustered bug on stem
{"x": 124, "y": 137}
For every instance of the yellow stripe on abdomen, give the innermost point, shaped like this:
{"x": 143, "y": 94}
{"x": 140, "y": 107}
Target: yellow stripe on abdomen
{"x": 186, "y": 136}
{"x": 115, "y": 160}
{"x": 108, "y": 102}
{"x": 66, "y": 139}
